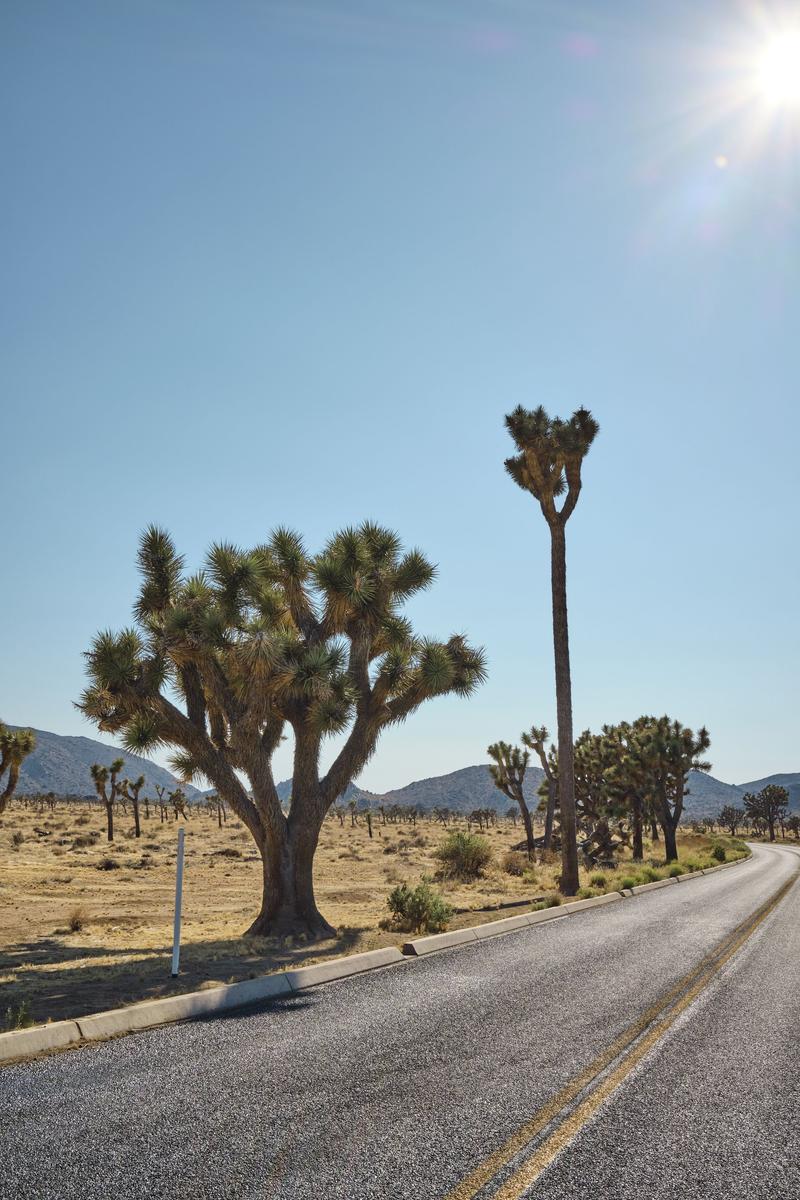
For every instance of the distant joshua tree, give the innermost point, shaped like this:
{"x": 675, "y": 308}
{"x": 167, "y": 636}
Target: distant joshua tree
{"x": 131, "y": 792}
{"x": 768, "y": 807}
{"x": 548, "y": 465}
{"x": 107, "y": 788}
{"x": 730, "y": 817}
{"x": 508, "y": 767}
{"x": 15, "y": 746}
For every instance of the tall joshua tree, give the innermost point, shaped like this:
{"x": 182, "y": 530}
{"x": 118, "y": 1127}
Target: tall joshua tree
{"x": 264, "y": 641}
{"x": 15, "y": 746}
{"x": 548, "y": 465}
{"x": 508, "y": 768}
{"x": 107, "y": 788}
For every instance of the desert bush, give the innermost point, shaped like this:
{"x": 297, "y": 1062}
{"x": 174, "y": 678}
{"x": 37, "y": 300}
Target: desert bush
{"x": 107, "y": 863}
{"x": 515, "y": 862}
{"x": 84, "y": 840}
{"x": 229, "y": 852}
{"x": 416, "y": 909}
{"x": 77, "y": 919}
{"x": 151, "y": 846}
{"x": 586, "y": 893}
{"x": 675, "y": 870}
{"x": 390, "y": 849}
{"x": 598, "y": 880}
{"x": 17, "y": 839}
{"x": 718, "y": 852}
{"x": 463, "y": 856}
{"x": 83, "y": 820}
{"x": 650, "y": 874}
{"x": 18, "y": 1016}
{"x": 628, "y": 881}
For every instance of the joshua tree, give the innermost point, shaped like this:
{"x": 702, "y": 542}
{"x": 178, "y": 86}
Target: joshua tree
{"x": 793, "y": 825}
{"x": 131, "y": 792}
{"x": 108, "y": 789}
{"x": 178, "y": 801}
{"x": 15, "y": 746}
{"x": 768, "y": 806}
{"x": 265, "y": 639}
{"x": 508, "y": 772}
{"x": 730, "y": 817}
{"x": 548, "y": 465}
{"x": 161, "y": 792}
{"x": 536, "y": 741}
{"x": 671, "y": 751}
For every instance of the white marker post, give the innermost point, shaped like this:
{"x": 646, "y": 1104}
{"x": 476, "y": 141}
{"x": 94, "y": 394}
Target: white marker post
{"x": 176, "y": 932}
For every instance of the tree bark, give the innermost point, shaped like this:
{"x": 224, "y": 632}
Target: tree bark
{"x": 526, "y": 820}
{"x": 288, "y": 907}
{"x": 638, "y": 841}
{"x": 670, "y": 842}
{"x": 110, "y": 820}
{"x": 137, "y": 827}
{"x": 566, "y": 756}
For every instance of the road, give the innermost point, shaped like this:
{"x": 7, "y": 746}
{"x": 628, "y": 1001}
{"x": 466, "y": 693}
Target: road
{"x": 647, "y": 1049}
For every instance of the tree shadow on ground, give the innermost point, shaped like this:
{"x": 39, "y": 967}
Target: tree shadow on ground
{"x": 60, "y": 981}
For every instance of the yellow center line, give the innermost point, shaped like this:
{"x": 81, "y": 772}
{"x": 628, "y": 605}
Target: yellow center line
{"x": 653, "y": 1024}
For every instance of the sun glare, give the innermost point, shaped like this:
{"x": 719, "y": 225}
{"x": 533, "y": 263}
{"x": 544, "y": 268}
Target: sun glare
{"x": 778, "y": 74}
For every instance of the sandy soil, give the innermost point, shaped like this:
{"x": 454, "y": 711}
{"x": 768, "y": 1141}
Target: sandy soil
{"x": 51, "y": 873}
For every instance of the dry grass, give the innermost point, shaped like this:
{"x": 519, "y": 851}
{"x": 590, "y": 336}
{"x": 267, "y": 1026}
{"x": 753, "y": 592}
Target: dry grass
{"x": 121, "y": 951}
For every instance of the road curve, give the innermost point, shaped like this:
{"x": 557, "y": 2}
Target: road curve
{"x": 667, "y": 1024}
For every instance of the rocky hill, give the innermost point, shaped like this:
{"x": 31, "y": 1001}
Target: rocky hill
{"x": 62, "y": 765}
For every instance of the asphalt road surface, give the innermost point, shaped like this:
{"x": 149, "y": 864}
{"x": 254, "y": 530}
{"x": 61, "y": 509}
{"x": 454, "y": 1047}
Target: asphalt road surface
{"x": 647, "y": 1049}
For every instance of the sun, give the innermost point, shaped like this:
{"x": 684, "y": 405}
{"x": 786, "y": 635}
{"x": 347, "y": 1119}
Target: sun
{"x": 778, "y": 72}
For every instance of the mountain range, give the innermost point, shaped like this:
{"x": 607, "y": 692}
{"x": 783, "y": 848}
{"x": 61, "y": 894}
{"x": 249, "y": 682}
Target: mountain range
{"x": 61, "y": 764}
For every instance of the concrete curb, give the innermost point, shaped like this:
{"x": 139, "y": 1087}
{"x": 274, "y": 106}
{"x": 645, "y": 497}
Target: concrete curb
{"x": 476, "y": 933}
{"x": 23, "y": 1043}
{"x": 26, "y": 1043}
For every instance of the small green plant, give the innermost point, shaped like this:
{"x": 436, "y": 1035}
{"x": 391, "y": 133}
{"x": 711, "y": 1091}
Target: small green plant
{"x": 463, "y": 856}
{"x": 552, "y": 901}
{"x": 650, "y": 874}
{"x": 19, "y": 1016}
{"x": 598, "y": 880}
{"x": 628, "y": 881}
{"x": 718, "y": 852}
{"x": 586, "y": 893}
{"x": 416, "y": 909}
{"x": 675, "y": 870}
{"x": 108, "y": 864}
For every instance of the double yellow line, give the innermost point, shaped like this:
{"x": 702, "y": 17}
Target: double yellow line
{"x": 575, "y": 1104}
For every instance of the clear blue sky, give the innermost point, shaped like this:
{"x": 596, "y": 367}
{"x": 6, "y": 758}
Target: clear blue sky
{"x": 290, "y": 263}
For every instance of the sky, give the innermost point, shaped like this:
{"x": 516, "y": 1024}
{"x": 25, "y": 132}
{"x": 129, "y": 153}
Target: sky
{"x": 291, "y": 263}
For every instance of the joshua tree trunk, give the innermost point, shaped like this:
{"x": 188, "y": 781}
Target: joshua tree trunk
{"x": 670, "y": 843}
{"x": 566, "y": 756}
{"x": 549, "y": 815}
{"x": 288, "y": 906}
{"x": 110, "y": 819}
{"x": 654, "y": 829}
{"x": 636, "y": 814}
{"x": 526, "y": 821}
{"x": 137, "y": 827}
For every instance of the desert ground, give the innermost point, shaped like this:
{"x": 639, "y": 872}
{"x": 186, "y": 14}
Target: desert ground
{"x": 85, "y": 925}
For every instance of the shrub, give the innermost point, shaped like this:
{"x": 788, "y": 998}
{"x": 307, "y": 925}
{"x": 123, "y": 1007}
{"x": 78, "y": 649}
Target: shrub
{"x": 650, "y": 874}
{"x": 84, "y": 840}
{"x": 83, "y": 820}
{"x": 718, "y": 852}
{"x": 19, "y": 1016}
{"x": 77, "y": 919}
{"x": 628, "y": 881}
{"x": 552, "y": 901}
{"x": 515, "y": 862}
{"x": 463, "y": 855}
{"x": 586, "y": 893}
{"x": 16, "y": 841}
{"x": 390, "y": 849}
{"x": 598, "y": 880}
{"x": 418, "y": 908}
{"x": 229, "y": 852}
{"x": 675, "y": 870}
{"x": 107, "y": 863}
